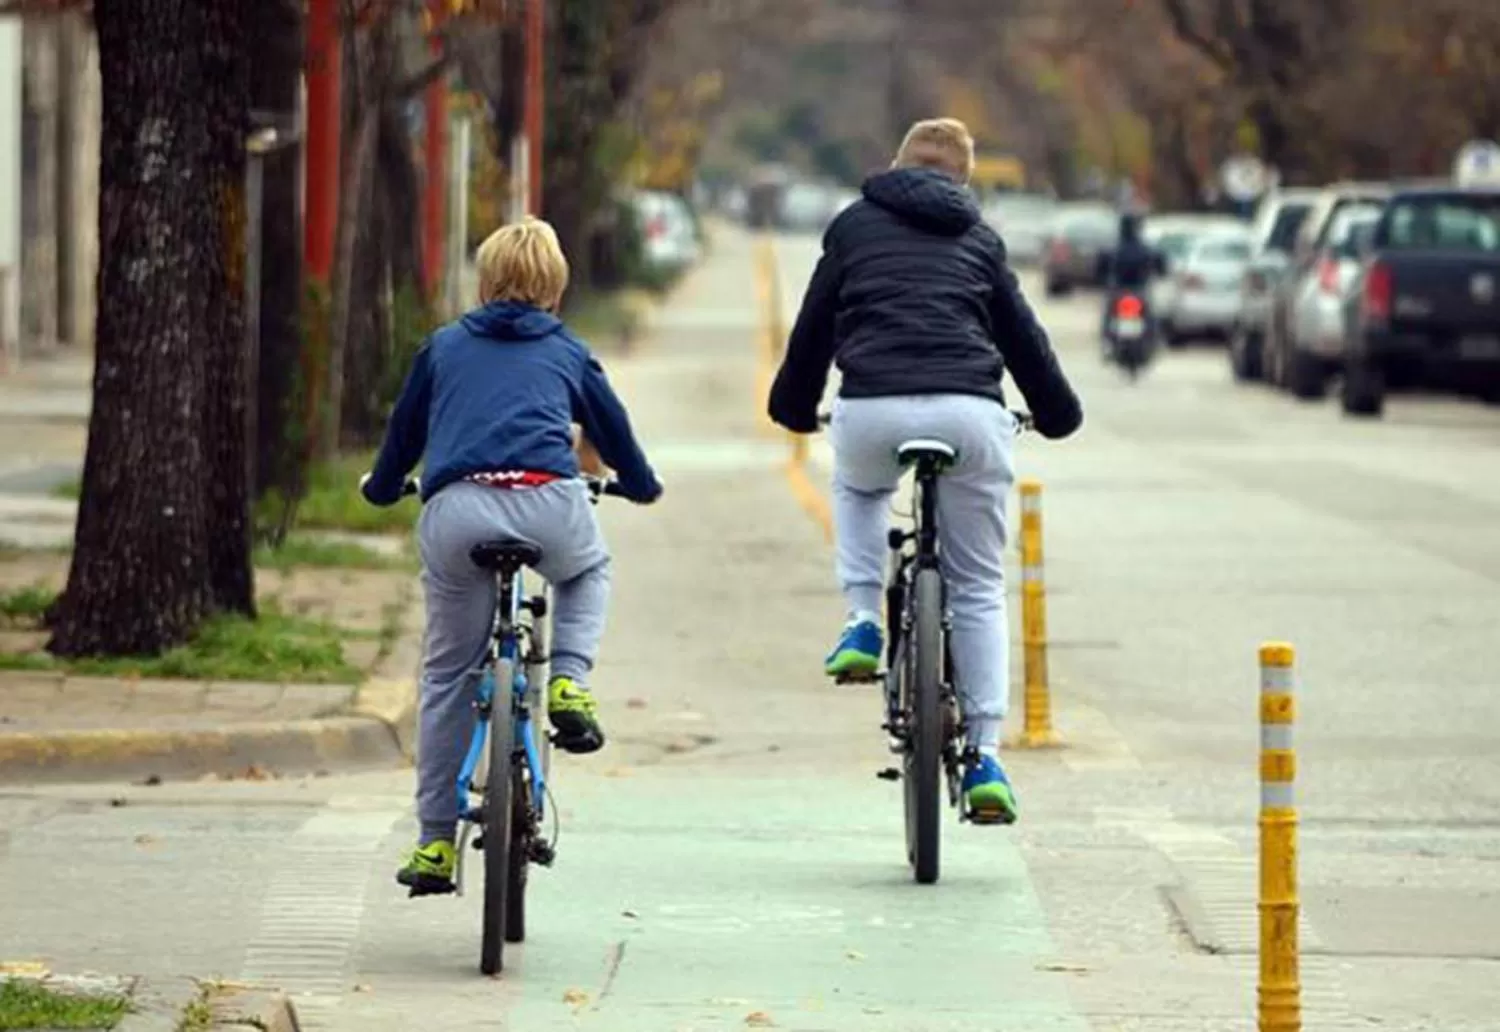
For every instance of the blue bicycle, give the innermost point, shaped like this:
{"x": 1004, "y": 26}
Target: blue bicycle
{"x": 502, "y": 786}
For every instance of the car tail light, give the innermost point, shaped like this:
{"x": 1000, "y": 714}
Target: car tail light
{"x": 1129, "y": 307}
{"x": 1257, "y": 282}
{"x": 1328, "y": 275}
{"x": 1059, "y": 250}
{"x": 1193, "y": 281}
{"x": 656, "y": 227}
{"x": 1378, "y": 291}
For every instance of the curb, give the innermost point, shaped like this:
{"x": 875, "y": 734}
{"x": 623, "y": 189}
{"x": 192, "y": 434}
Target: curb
{"x": 378, "y": 730}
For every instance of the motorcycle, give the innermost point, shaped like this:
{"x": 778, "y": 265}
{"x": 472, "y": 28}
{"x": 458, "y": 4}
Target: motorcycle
{"x": 1130, "y": 335}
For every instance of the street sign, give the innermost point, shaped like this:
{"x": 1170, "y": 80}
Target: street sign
{"x": 1477, "y": 164}
{"x": 1244, "y": 177}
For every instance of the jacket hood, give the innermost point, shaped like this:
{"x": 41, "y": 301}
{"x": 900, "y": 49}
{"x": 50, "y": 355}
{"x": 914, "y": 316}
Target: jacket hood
{"x": 924, "y": 198}
{"x": 511, "y": 320}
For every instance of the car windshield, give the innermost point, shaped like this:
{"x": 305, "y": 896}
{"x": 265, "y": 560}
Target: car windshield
{"x": 1090, "y": 227}
{"x": 1341, "y": 234}
{"x": 1289, "y": 219}
{"x": 1446, "y": 222}
{"x": 1174, "y": 245}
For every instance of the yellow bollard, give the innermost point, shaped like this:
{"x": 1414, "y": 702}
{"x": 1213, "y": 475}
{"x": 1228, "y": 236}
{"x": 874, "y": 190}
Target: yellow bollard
{"x": 1279, "y": 994}
{"x": 1037, "y": 731}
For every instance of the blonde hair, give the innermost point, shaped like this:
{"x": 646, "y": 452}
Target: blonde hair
{"x": 944, "y": 144}
{"x": 523, "y": 262}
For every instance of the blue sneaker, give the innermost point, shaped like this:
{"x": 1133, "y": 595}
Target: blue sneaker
{"x": 990, "y": 797}
{"x": 857, "y": 655}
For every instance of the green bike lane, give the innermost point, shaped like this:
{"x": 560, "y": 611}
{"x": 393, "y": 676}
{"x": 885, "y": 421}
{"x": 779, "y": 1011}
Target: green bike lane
{"x": 731, "y": 860}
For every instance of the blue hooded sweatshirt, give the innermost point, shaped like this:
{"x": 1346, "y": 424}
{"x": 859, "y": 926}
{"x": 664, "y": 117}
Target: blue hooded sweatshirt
{"x": 498, "y": 390}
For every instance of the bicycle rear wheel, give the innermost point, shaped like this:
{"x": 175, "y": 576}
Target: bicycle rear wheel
{"x": 520, "y": 858}
{"x": 923, "y": 678}
{"x": 497, "y": 820}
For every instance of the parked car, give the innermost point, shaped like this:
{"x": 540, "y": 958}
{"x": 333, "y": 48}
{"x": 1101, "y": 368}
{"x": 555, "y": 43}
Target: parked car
{"x": 1205, "y": 296}
{"x": 1172, "y": 235}
{"x": 1311, "y": 236}
{"x": 1077, "y": 241}
{"x": 807, "y": 207}
{"x": 669, "y": 235}
{"x": 1273, "y": 232}
{"x": 1022, "y": 220}
{"x": 1427, "y": 296}
{"x": 1312, "y": 348}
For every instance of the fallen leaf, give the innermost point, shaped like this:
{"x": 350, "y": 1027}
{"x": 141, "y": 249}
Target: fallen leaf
{"x": 254, "y": 773}
{"x": 617, "y": 772}
{"x": 630, "y": 914}
{"x": 119, "y": 801}
{"x": 144, "y": 840}
{"x": 575, "y": 997}
{"x": 854, "y": 955}
{"x": 361, "y": 987}
{"x": 635, "y": 702}
{"x": 1068, "y": 969}
{"x": 25, "y": 968}
{"x": 759, "y": 1019}
{"x": 152, "y": 781}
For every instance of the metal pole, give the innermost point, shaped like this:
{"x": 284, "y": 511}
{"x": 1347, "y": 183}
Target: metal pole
{"x": 1037, "y": 731}
{"x": 535, "y": 103}
{"x": 458, "y": 215}
{"x": 1279, "y": 994}
{"x": 10, "y": 189}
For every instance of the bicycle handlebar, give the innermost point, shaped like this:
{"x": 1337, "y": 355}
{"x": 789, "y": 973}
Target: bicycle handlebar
{"x": 597, "y": 486}
{"x": 1023, "y": 419}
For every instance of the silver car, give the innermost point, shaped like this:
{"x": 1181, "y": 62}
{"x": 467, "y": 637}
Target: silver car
{"x": 1313, "y": 346}
{"x": 1273, "y": 232}
{"x": 1023, "y": 221}
{"x": 1205, "y": 286}
{"x": 1172, "y": 235}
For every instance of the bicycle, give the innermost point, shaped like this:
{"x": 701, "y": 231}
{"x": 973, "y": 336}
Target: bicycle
{"x": 923, "y": 717}
{"x": 505, "y": 740}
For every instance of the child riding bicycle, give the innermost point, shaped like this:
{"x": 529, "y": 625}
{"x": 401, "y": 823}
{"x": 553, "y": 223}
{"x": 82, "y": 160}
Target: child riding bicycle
{"x": 492, "y": 408}
{"x": 913, "y": 299}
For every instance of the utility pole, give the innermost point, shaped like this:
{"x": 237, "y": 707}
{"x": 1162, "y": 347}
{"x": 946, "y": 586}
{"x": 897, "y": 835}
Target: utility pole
{"x": 435, "y": 187}
{"x": 10, "y": 190}
{"x": 321, "y": 203}
{"x": 536, "y": 27}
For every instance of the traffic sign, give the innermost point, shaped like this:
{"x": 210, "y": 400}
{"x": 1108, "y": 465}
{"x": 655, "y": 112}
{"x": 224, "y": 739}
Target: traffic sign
{"x": 1477, "y": 164}
{"x": 1244, "y": 177}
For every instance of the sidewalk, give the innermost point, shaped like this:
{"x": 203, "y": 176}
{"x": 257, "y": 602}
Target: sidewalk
{"x": 60, "y": 725}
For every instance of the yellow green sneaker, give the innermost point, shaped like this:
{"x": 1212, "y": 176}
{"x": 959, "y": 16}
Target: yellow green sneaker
{"x": 429, "y": 869}
{"x": 574, "y": 716}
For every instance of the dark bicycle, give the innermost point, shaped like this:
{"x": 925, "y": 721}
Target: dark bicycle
{"x": 502, "y": 786}
{"x": 923, "y": 718}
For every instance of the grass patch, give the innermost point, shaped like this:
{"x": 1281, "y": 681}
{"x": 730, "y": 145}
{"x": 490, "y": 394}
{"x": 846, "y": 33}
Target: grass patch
{"x": 334, "y": 502}
{"x": 68, "y": 490}
{"x": 276, "y": 647}
{"x": 603, "y": 318}
{"x": 25, "y": 1003}
{"x": 26, "y": 604}
{"x": 301, "y": 550}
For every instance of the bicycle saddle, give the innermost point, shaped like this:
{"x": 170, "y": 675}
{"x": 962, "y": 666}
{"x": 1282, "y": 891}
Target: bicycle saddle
{"x": 920, "y": 448}
{"x": 505, "y": 554}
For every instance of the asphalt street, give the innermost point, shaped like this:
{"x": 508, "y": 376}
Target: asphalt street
{"x": 731, "y": 860}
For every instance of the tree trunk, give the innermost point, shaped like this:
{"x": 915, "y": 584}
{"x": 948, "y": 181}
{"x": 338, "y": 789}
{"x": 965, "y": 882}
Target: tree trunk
{"x": 162, "y": 539}
{"x": 275, "y": 81}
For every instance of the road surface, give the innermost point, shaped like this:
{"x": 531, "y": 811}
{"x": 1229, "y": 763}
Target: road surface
{"x": 732, "y": 861}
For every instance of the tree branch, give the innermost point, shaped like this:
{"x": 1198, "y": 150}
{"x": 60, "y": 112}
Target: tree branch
{"x": 1187, "y": 30}
{"x": 435, "y": 70}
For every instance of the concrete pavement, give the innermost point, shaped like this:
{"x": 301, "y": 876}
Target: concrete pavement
{"x": 731, "y": 861}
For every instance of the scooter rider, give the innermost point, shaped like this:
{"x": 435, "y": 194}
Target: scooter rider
{"x": 1128, "y": 270}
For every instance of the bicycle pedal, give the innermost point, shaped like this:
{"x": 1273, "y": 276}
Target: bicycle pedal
{"x": 874, "y": 677}
{"x": 889, "y": 774}
{"x": 989, "y": 817}
{"x": 430, "y": 888}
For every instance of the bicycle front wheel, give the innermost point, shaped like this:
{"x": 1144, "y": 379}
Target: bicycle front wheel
{"x": 498, "y": 792}
{"x": 924, "y": 708}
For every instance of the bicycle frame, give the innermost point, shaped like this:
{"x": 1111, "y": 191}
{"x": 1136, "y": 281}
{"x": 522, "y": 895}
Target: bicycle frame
{"x": 511, "y": 633}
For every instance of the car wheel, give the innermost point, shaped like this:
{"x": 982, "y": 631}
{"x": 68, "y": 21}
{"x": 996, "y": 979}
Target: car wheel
{"x": 1171, "y": 336}
{"x": 1363, "y": 392}
{"x": 1305, "y": 376}
{"x": 1057, "y": 288}
{"x": 1245, "y": 350}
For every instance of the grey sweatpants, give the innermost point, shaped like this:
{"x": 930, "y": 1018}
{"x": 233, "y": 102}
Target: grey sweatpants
{"x": 461, "y": 610}
{"x": 971, "y": 527}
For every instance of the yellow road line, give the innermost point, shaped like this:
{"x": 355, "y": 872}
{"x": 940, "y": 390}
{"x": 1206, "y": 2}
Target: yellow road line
{"x": 771, "y": 340}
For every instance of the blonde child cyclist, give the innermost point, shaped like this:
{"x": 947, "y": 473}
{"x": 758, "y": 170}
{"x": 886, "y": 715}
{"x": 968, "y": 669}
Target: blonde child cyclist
{"x": 914, "y": 300}
{"x": 492, "y": 408}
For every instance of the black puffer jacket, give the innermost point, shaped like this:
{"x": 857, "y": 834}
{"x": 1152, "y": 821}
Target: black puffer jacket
{"x": 913, "y": 296}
